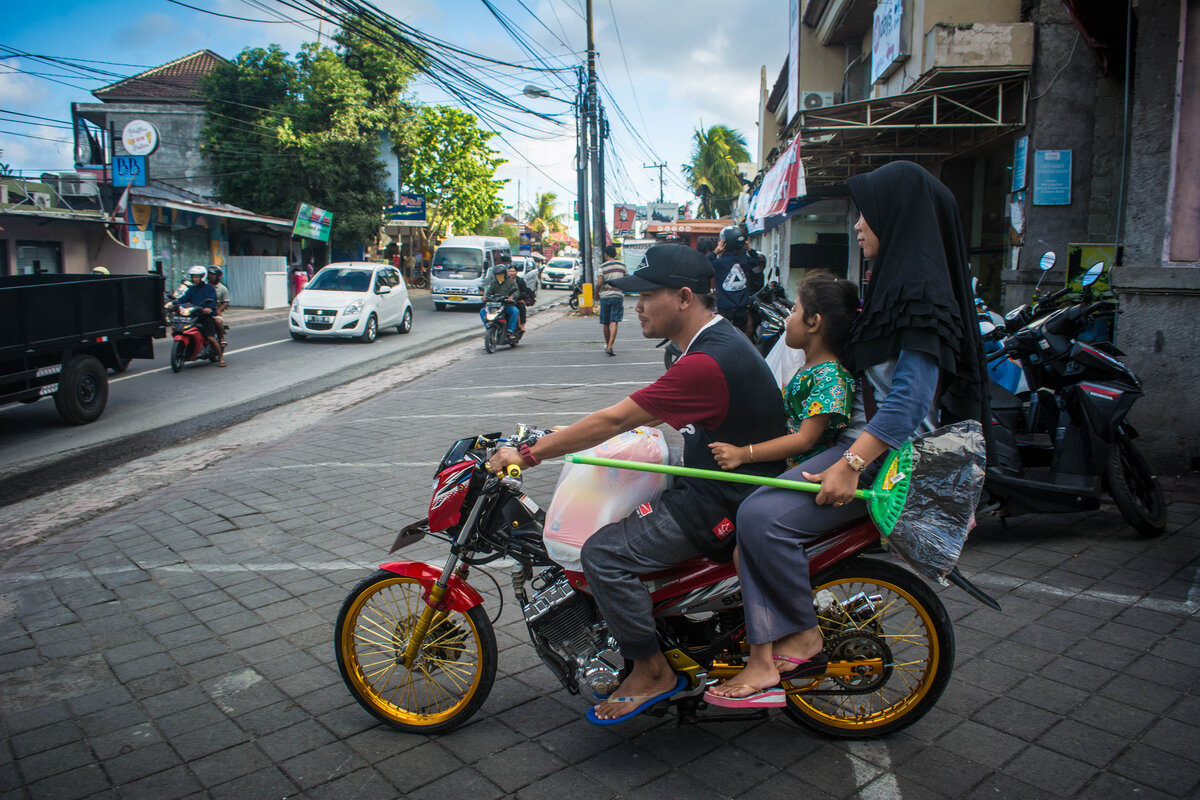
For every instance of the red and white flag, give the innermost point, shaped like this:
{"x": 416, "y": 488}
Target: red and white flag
{"x": 122, "y": 204}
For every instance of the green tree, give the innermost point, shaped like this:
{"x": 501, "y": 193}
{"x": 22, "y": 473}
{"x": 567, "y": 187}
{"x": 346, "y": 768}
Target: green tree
{"x": 280, "y": 131}
{"x": 542, "y": 217}
{"x": 712, "y": 172}
{"x": 452, "y": 164}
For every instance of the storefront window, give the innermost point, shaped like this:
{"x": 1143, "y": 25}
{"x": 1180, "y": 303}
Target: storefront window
{"x": 38, "y": 257}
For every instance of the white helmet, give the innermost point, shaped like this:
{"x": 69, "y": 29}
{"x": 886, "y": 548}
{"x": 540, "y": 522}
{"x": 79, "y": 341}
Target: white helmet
{"x": 198, "y": 270}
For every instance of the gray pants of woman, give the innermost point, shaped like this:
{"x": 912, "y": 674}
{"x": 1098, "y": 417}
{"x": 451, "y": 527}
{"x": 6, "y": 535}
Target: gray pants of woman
{"x": 773, "y": 526}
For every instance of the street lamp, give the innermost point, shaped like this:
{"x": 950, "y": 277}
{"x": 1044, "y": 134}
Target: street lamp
{"x": 582, "y": 164}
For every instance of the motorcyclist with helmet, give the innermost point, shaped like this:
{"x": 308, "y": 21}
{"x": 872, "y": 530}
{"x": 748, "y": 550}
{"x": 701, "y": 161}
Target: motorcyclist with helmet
{"x": 503, "y": 288}
{"x": 735, "y": 278}
{"x": 203, "y": 297}
{"x": 214, "y": 280}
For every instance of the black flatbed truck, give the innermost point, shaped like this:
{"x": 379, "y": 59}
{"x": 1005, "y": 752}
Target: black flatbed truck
{"x": 60, "y": 334}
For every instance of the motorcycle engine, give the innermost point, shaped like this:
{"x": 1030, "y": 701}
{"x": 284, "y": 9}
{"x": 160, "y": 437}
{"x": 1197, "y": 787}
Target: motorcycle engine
{"x": 570, "y": 625}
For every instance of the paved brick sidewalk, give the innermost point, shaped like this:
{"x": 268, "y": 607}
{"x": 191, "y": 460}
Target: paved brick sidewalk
{"x": 181, "y": 646}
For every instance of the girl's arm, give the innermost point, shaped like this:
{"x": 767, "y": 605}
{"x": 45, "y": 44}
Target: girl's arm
{"x": 729, "y": 456}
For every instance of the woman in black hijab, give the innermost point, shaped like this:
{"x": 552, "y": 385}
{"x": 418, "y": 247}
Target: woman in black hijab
{"x": 915, "y": 339}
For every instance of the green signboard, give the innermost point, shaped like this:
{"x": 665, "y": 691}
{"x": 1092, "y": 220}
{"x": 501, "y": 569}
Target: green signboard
{"x": 312, "y": 222}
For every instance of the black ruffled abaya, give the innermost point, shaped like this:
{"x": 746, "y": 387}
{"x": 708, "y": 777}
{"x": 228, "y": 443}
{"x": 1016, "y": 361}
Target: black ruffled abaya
{"x": 919, "y": 297}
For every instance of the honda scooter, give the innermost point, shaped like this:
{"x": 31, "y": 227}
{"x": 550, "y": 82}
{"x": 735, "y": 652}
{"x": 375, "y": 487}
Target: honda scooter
{"x": 190, "y": 344}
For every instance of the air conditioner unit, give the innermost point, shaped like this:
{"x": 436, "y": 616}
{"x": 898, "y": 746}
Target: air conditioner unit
{"x": 813, "y": 100}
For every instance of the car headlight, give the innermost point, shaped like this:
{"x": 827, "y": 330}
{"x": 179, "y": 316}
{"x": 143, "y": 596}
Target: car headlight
{"x": 296, "y": 305}
{"x": 354, "y": 309}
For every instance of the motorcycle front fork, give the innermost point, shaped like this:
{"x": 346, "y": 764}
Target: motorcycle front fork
{"x": 436, "y": 610}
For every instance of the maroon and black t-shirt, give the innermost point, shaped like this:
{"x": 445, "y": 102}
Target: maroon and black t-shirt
{"x": 721, "y": 390}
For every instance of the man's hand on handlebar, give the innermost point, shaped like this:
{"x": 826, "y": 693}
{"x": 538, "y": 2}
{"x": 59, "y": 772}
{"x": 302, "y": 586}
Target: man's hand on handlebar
{"x": 504, "y": 457}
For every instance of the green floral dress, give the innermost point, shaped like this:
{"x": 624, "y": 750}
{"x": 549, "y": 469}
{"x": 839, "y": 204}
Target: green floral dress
{"x": 826, "y": 388}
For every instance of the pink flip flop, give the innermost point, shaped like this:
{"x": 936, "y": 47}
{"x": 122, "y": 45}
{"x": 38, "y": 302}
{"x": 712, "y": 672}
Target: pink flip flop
{"x": 775, "y": 697}
{"x": 805, "y": 668}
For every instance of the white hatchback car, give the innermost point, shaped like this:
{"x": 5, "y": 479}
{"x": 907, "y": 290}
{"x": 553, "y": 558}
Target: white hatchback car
{"x": 351, "y": 300}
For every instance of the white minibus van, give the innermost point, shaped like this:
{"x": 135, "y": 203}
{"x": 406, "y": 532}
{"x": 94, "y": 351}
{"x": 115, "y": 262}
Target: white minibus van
{"x": 461, "y": 267}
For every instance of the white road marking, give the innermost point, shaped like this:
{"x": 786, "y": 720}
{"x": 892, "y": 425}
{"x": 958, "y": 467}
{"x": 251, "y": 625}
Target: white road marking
{"x": 227, "y": 352}
{"x": 874, "y": 785}
{"x": 1188, "y": 607}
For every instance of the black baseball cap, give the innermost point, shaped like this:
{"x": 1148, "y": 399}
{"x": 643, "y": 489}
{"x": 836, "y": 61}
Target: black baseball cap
{"x": 669, "y": 266}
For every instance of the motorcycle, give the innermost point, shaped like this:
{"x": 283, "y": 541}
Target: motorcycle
{"x": 495, "y": 332}
{"x": 770, "y": 308}
{"x": 417, "y": 650}
{"x": 1058, "y": 446}
{"x": 576, "y": 291}
{"x": 190, "y": 344}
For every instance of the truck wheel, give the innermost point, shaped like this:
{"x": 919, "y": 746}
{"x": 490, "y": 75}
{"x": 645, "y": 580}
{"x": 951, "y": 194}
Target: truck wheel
{"x": 82, "y": 390}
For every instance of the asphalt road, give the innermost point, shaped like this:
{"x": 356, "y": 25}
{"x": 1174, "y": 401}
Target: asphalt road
{"x": 150, "y": 407}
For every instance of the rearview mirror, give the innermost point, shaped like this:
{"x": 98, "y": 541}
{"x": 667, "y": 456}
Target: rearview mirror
{"x": 383, "y": 290}
{"x": 1047, "y": 260}
{"x": 1093, "y": 273}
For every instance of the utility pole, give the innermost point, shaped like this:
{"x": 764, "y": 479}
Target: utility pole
{"x": 660, "y": 168}
{"x": 593, "y": 111}
{"x": 581, "y": 181}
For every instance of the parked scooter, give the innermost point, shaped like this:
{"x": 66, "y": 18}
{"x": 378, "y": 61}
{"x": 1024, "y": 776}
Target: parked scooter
{"x": 1058, "y": 446}
{"x": 771, "y": 308}
{"x": 495, "y": 331}
{"x": 417, "y": 650}
{"x": 576, "y": 291}
{"x": 190, "y": 344}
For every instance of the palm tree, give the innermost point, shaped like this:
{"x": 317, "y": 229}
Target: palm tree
{"x": 712, "y": 172}
{"x": 541, "y": 219}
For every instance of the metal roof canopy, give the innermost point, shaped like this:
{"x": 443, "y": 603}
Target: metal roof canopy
{"x": 928, "y": 126}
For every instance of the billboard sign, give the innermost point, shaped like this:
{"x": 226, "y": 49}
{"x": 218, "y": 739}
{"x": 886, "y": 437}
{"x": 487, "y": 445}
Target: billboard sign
{"x": 409, "y": 208}
{"x": 312, "y": 223}
{"x": 662, "y": 212}
{"x": 887, "y": 39}
{"x": 623, "y": 216}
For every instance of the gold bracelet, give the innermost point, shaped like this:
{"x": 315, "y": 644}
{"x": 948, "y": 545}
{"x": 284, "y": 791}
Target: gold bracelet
{"x": 751, "y": 454}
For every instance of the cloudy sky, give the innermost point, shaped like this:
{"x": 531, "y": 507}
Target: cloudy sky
{"x": 667, "y": 66}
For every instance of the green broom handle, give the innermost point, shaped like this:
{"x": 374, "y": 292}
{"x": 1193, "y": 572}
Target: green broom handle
{"x": 691, "y": 472}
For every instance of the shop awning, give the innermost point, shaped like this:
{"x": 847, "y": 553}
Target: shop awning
{"x": 927, "y": 126}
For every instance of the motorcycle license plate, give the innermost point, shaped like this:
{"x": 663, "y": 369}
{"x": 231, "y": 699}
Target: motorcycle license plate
{"x": 319, "y": 320}
{"x": 456, "y": 298}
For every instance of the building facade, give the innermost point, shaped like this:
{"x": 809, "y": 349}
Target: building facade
{"x": 1060, "y": 125}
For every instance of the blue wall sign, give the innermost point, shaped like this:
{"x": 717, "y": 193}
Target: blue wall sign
{"x": 1052, "y": 177}
{"x": 129, "y": 171}
{"x": 1020, "y": 165}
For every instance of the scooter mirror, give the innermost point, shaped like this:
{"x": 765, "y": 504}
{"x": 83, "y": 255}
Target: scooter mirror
{"x": 985, "y": 328}
{"x": 1093, "y": 273}
{"x": 1047, "y": 260}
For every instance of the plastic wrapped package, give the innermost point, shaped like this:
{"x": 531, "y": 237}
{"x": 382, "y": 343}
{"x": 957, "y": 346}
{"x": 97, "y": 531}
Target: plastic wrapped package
{"x": 784, "y": 362}
{"x": 939, "y": 511}
{"x": 587, "y": 498}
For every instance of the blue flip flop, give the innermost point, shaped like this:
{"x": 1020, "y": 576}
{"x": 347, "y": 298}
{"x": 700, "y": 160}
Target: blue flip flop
{"x": 680, "y": 684}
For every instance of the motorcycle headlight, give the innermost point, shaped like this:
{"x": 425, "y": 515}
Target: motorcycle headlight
{"x": 354, "y": 309}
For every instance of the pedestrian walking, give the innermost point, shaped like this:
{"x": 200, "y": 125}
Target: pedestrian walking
{"x": 612, "y": 299}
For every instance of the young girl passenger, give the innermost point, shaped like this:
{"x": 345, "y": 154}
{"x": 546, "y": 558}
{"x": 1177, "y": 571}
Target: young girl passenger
{"x": 818, "y": 401}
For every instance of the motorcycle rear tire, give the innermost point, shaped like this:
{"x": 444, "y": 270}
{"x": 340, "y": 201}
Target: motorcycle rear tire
{"x": 918, "y": 635}
{"x": 456, "y": 665}
{"x": 1134, "y": 488}
{"x": 178, "y": 356}
{"x": 491, "y": 339}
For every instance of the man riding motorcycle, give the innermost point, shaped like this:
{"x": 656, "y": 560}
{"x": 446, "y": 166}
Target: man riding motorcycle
{"x": 202, "y": 296}
{"x": 214, "y": 280}
{"x": 738, "y": 276}
{"x": 503, "y": 288}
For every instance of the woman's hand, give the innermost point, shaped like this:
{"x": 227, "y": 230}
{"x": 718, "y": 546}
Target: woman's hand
{"x": 729, "y": 456}
{"x": 838, "y": 484}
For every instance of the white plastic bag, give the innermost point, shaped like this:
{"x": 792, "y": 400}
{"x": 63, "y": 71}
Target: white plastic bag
{"x": 587, "y": 498}
{"x": 784, "y": 362}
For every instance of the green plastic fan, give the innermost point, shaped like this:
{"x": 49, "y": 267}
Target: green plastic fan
{"x": 885, "y": 499}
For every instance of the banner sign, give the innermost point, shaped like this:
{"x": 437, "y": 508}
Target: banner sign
{"x": 410, "y": 208}
{"x": 312, "y": 223}
{"x": 1052, "y": 177}
{"x": 887, "y": 46}
{"x": 129, "y": 171}
{"x": 793, "y": 84}
{"x": 1020, "y": 163}
{"x": 783, "y": 182}
{"x": 623, "y": 216}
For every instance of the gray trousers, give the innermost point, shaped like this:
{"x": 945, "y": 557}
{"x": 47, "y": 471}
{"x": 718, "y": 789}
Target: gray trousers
{"x": 615, "y": 556}
{"x": 773, "y": 526}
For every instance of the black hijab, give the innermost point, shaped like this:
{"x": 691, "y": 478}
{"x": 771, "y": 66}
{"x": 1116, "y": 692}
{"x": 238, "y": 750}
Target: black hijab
{"x": 919, "y": 297}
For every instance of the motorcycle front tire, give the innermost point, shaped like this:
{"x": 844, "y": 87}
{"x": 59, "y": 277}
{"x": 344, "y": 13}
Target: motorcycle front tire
{"x": 909, "y": 628}
{"x": 574, "y": 302}
{"x": 455, "y": 667}
{"x": 1135, "y": 489}
{"x": 491, "y": 339}
{"x": 178, "y": 355}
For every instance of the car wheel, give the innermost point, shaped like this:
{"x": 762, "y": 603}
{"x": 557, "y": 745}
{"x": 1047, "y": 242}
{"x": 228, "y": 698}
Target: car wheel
{"x": 405, "y": 324}
{"x": 371, "y": 331}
